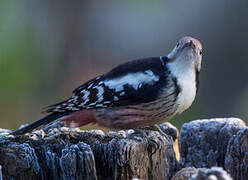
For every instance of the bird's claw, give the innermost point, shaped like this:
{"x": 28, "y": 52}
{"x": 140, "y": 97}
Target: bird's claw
{"x": 155, "y": 128}
{"x": 140, "y": 133}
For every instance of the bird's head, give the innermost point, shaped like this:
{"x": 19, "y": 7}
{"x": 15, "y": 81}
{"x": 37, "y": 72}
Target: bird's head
{"x": 188, "y": 51}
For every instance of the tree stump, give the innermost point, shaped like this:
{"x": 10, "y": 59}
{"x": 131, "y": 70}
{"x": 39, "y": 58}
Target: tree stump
{"x": 236, "y": 162}
{"x": 1, "y": 174}
{"x": 191, "y": 173}
{"x": 62, "y": 153}
{"x": 203, "y": 143}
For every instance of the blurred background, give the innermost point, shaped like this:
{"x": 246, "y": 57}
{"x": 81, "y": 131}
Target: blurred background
{"x": 48, "y": 48}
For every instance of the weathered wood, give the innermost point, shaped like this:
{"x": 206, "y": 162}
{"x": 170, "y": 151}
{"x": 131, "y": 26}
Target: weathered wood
{"x": 213, "y": 173}
{"x": 169, "y": 129}
{"x": 191, "y": 173}
{"x": 62, "y": 153}
{"x": 48, "y": 157}
{"x": 236, "y": 161}
{"x": 1, "y": 174}
{"x": 185, "y": 173}
{"x": 203, "y": 143}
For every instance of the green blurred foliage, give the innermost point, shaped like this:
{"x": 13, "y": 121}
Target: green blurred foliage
{"x": 47, "y": 48}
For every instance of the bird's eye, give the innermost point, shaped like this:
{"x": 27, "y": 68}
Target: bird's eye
{"x": 201, "y": 52}
{"x": 177, "y": 44}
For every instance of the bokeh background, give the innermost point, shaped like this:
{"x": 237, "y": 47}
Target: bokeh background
{"x": 48, "y": 48}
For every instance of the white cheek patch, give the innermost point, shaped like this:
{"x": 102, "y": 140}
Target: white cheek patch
{"x": 134, "y": 80}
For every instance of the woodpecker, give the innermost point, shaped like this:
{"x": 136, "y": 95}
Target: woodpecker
{"x": 135, "y": 94}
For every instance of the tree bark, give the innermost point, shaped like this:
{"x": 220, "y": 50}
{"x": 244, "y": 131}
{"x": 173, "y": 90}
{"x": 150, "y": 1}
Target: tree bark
{"x": 62, "y": 153}
{"x": 191, "y": 173}
{"x": 236, "y": 162}
{"x": 203, "y": 143}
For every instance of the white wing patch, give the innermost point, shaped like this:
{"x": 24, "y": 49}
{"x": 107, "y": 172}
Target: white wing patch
{"x": 86, "y": 96}
{"x": 134, "y": 80}
{"x": 93, "y": 95}
{"x": 99, "y": 93}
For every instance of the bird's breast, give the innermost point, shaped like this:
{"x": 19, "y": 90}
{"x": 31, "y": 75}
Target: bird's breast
{"x": 187, "y": 93}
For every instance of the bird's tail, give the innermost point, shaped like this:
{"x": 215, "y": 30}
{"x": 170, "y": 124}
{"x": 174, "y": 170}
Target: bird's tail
{"x": 46, "y": 120}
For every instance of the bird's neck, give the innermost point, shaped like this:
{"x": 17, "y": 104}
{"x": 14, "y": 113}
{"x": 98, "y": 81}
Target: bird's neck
{"x": 184, "y": 71}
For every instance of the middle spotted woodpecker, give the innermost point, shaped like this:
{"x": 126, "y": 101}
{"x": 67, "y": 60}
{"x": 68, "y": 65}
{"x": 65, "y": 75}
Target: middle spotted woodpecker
{"x": 135, "y": 94}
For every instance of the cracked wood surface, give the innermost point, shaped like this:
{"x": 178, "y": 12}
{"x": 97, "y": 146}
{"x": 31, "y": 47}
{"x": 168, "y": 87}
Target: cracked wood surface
{"x": 61, "y": 153}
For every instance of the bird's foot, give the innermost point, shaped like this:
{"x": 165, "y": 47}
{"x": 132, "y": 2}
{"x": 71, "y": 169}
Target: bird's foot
{"x": 155, "y": 128}
{"x": 140, "y": 134}
{"x": 137, "y": 134}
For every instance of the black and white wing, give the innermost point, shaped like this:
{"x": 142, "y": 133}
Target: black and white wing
{"x": 131, "y": 83}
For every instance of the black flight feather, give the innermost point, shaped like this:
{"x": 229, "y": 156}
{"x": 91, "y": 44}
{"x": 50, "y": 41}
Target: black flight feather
{"x": 46, "y": 120}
